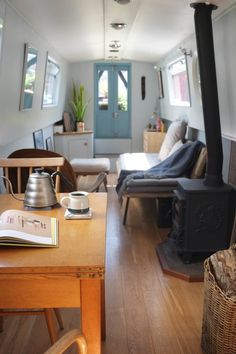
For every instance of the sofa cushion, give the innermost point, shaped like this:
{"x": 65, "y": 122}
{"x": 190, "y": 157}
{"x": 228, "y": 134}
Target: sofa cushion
{"x": 134, "y": 162}
{"x": 176, "y": 146}
{"x": 200, "y": 165}
{"x": 175, "y": 132}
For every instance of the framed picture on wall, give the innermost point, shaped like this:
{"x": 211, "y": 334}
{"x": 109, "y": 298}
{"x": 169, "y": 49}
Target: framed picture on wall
{"x": 38, "y": 139}
{"x": 49, "y": 145}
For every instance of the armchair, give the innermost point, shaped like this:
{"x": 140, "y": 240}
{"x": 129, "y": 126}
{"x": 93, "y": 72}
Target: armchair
{"x": 73, "y": 336}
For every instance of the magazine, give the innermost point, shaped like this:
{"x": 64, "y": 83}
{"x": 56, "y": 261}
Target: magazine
{"x": 22, "y": 228}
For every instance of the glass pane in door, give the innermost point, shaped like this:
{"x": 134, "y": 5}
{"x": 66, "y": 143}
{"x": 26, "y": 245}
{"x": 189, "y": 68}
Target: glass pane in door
{"x": 123, "y": 90}
{"x": 103, "y": 90}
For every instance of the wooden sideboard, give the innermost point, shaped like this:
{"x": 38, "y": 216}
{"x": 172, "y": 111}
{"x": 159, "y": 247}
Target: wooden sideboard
{"x": 74, "y": 144}
{"x": 152, "y": 141}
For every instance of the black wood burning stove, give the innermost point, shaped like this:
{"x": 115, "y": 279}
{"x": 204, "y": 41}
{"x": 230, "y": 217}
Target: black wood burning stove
{"x": 202, "y": 217}
{"x": 203, "y": 210}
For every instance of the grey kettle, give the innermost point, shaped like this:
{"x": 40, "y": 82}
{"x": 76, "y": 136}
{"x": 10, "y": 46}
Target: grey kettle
{"x": 40, "y": 191}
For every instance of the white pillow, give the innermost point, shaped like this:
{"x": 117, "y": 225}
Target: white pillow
{"x": 175, "y": 132}
{"x": 175, "y": 147}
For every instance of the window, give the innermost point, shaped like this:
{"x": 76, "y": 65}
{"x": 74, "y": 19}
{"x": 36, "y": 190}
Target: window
{"x": 178, "y": 83}
{"x": 2, "y": 16}
{"x": 28, "y": 77}
{"x": 122, "y": 90}
{"x": 1, "y": 30}
{"x": 51, "y": 83}
{"x": 196, "y": 77}
{"x": 103, "y": 90}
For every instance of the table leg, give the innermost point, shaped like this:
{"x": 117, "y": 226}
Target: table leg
{"x": 103, "y": 313}
{"x": 91, "y": 313}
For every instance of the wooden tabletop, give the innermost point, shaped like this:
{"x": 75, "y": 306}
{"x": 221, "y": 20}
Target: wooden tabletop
{"x": 81, "y": 248}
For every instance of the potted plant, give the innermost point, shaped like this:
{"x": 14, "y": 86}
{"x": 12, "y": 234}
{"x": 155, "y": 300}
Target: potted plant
{"x": 79, "y": 105}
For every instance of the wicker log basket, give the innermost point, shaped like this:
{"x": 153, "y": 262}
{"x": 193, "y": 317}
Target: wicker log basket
{"x": 219, "y": 310}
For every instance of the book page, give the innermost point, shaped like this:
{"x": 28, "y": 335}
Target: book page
{"x": 27, "y": 226}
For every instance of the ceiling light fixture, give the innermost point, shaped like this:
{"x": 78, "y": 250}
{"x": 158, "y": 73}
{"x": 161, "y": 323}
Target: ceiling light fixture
{"x": 122, "y": 2}
{"x": 118, "y": 25}
{"x": 115, "y": 44}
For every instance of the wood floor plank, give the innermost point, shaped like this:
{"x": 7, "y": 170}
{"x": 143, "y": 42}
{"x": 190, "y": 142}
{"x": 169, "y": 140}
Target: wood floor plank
{"x": 116, "y": 339}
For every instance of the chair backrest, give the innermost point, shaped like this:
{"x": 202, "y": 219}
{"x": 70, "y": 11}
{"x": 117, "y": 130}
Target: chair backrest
{"x": 66, "y": 169}
{"x": 30, "y": 163}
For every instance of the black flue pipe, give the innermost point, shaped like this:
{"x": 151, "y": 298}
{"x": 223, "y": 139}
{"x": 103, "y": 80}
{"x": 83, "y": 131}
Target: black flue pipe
{"x": 210, "y": 104}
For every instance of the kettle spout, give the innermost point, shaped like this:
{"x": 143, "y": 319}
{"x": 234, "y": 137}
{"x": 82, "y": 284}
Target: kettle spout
{"x": 11, "y": 189}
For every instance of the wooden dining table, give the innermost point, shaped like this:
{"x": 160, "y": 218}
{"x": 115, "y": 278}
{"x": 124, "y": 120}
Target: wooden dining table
{"x": 71, "y": 275}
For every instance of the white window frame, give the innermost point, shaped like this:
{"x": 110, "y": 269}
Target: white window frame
{"x": 179, "y": 65}
{"x": 2, "y": 24}
{"x": 51, "y": 83}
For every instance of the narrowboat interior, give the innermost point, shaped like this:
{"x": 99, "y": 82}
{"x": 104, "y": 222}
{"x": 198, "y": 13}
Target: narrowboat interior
{"x": 127, "y": 110}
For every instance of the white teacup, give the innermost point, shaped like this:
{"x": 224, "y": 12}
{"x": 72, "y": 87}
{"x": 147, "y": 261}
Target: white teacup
{"x": 76, "y": 202}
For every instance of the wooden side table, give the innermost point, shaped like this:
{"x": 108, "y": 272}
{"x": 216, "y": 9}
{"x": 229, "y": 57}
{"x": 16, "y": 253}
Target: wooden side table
{"x": 152, "y": 141}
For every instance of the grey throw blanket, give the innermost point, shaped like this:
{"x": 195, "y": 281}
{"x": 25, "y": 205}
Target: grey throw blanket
{"x": 179, "y": 164}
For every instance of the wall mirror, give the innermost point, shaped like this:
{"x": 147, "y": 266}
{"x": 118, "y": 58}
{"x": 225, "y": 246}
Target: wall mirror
{"x": 28, "y": 77}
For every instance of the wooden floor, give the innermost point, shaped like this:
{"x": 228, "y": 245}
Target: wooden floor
{"x": 147, "y": 312}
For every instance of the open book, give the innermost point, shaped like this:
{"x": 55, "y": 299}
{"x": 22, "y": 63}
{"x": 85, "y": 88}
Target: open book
{"x": 21, "y": 228}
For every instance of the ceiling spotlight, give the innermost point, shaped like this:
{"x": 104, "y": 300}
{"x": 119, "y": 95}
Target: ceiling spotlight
{"x": 118, "y": 25}
{"x": 115, "y": 45}
{"x": 122, "y": 2}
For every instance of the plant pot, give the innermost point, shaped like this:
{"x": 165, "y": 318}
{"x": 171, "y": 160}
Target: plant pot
{"x": 80, "y": 127}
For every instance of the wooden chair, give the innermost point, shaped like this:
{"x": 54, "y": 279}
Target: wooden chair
{"x": 66, "y": 169}
{"x": 29, "y": 164}
{"x": 73, "y": 336}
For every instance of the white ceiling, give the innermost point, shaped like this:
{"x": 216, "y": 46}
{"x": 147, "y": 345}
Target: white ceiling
{"x": 80, "y": 29}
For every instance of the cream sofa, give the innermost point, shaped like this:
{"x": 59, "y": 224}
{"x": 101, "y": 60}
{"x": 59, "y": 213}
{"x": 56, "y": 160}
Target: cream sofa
{"x": 157, "y": 188}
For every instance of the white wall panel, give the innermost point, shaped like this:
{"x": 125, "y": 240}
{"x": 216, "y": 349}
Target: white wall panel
{"x": 16, "y": 124}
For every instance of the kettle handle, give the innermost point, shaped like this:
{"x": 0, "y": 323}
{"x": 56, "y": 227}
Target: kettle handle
{"x": 11, "y": 189}
{"x": 68, "y": 184}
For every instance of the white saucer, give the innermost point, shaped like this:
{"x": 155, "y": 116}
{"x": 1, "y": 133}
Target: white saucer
{"x": 73, "y": 216}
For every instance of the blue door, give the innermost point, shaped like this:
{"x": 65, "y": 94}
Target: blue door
{"x": 112, "y": 101}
